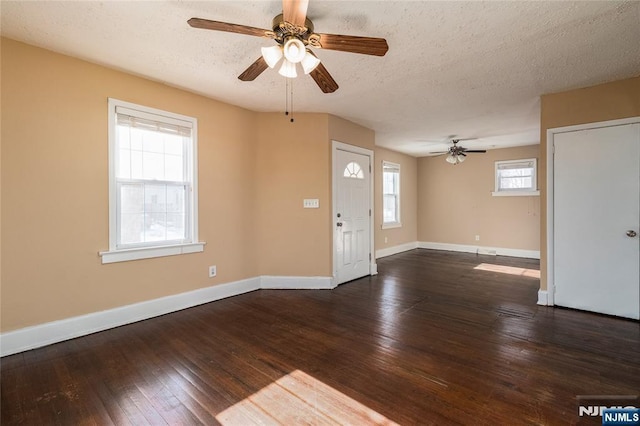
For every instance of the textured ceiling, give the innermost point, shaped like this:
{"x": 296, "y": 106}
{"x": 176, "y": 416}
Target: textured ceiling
{"x": 470, "y": 69}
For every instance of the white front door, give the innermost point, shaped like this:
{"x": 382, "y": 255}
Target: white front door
{"x": 596, "y": 212}
{"x": 352, "y": 215}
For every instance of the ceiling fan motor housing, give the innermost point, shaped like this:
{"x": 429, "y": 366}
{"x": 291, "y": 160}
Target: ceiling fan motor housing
{"x": 283, "y": 30}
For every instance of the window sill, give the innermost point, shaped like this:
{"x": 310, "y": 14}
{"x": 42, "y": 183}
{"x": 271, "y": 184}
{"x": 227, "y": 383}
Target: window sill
{"x": 516, "y": 194}
{"x": 149, "y": 252}
{"x": 391, "y": 225}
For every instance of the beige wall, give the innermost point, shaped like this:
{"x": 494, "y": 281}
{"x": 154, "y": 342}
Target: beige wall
{"x": 254, "y": 170}
{"x": 0, "y": 187}
{"x": 455, "y": 203}
{"x": 408, "y": 233}
{"x": 293, "y": 163}
{"x": 345, "y": 131}
{"x": 610, "y": 101}
{"x": 55, "y": 190}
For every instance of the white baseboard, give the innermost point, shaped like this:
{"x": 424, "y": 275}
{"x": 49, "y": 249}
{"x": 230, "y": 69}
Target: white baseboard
{"x": 543, "y": 298}
{"x": 296, "y": 283}
{"x": 27, "y": 338}
{"x": 57, "y": 331}
{"x": 496, "y": 251}
{"x": 388, "y": 251}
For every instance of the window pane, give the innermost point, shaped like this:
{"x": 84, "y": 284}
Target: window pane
{"x": 516, "y": 183}
{"x": 515, "y": 179}
{"x": 131, "y": 198}
{"x": 176, "y": 229}
{"x": 155, "y": 200}
{"x": 123, "y": 137}
{"x": 131, "y": 228}
{"x": 152, "y": 142}
{"x": 389, "y": 208}
{"x": 515, "y": 172}
{"x": 152, "y": 165}
{"x": 176, "y": 199}
{"x": 391, "y": 193}
{"x": 390, "y": 183}
{"x": 136, "y": 138}
{"x": 155, "y": 227}
{"x": 173, "y": 168}
{"x": 136, "y": 165}
{"x": 124, "y": 163}
{"x": 173, "y": 145}
{"x": 131, "y": 218}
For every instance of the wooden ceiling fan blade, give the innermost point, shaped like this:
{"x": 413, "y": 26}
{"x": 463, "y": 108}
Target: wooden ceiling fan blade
{"x": 475, "y": 150}
{"x": 254, "y": 70}
{"x": 354, "y": 44}
{"x": 323, "y": 79}
{"x": 295, "y": 11}
{"x": 206, "y": 24}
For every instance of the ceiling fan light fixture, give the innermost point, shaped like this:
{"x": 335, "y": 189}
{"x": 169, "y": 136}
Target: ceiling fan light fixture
{"x": 294, "y": 50}
{"x": 461, "y": 157}
{"x": 288, "y": 69}
{"x": 309, "y": 62}
{"x": 451, "y": 158}
{"x": 272, "y": 55}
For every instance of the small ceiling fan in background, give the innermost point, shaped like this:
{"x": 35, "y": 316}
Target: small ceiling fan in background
{"x": 457, "y": 154}
{"x": 294, "y": 34}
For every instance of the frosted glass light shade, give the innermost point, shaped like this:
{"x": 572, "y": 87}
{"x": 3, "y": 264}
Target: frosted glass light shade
{"x": 294, "y": 50}
{"x": 310, "y": 62}
{"x": 461, "y": 158}
{"x": 288, "y": 69}
{"x": 451, "y": 159}
{"x": 272, "y": 55}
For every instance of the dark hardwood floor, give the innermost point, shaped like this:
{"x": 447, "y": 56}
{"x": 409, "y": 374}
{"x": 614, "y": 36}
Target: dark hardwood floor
{"x": 435, "y": 338}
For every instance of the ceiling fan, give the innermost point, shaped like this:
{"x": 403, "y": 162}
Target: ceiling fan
{"x": 294, "y": 34}
{"x": 457, "y": 154}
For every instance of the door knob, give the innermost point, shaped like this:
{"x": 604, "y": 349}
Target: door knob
{"x": 631, "y": 233}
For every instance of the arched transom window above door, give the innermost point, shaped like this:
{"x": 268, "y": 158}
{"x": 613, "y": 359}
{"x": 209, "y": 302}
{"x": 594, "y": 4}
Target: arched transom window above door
{"x": 354, "y": 171}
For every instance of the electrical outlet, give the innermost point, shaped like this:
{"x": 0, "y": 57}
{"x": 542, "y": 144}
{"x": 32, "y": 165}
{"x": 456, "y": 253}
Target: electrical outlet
{"x": 212, "y": 271}
{"x": 477, "y": 237}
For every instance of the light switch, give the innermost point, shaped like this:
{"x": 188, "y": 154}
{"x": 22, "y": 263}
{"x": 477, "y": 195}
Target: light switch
{"x": 311, "y": 203}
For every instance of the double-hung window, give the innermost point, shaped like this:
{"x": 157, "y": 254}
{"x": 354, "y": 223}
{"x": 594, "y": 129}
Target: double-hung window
{"x": 390, "y": 195}
{"x": 153, "y": 194}
{"x": 516, "y": 177}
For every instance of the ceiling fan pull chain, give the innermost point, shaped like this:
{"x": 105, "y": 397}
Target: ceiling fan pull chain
{"x": 286, "y": 96}
{"x": 291, "y": 99}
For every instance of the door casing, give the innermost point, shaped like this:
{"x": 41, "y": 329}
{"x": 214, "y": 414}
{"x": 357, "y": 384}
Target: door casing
{"x": 335, "y": 146}
{"x": 549, "y": 198}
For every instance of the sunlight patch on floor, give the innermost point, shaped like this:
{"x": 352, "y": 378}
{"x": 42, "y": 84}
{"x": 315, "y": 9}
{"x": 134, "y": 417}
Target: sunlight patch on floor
{"x": 511, "y": 270}
{"x": 298, "y": 398}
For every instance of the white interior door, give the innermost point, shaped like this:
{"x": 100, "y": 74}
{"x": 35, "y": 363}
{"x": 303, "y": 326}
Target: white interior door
{"x": 352, "y": 237}
{"x": 596, "y": 201}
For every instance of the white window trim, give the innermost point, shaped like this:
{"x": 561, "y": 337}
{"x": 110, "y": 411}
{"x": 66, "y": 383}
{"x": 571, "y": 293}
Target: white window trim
{"x": 516, "y": 193}
{"x": 391, "y": 225}
{"x": 398, "y": 223}
{"x": 122, "y": 255}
